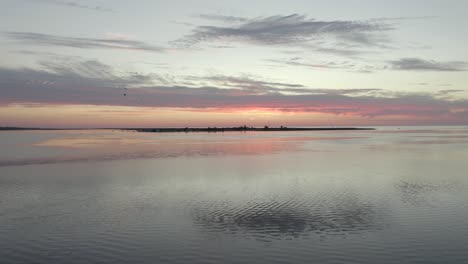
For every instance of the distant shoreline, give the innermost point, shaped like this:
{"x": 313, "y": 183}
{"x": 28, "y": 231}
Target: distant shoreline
{"x": 28, "y": 128}
{"x": 198, "y": 129}
{"x": 242, "y": 129}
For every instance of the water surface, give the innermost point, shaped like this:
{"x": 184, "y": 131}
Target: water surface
{"x": 394, "y": 195}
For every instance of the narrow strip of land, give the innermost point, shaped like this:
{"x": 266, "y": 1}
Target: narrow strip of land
{"x": 202, "y": 129}
{"x": 245, "y": 128}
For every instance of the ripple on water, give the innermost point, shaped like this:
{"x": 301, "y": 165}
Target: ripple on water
{"x": 280, "y": 219}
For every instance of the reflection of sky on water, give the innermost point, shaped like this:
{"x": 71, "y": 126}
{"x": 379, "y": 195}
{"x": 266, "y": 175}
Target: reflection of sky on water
{"x": 99, "y": 145}
{"x": 436, "y": 141}
{"x": 423, "y": 193}
{"x": 334, "y": 197}
{"x": 43, "y": 147}
{"x": 287, "y": 218}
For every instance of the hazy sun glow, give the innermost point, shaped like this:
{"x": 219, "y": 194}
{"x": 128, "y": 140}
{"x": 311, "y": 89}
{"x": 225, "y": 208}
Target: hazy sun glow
{"x": 123, "y": 116}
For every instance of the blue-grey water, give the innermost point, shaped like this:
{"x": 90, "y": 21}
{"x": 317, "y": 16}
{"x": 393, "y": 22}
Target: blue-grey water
{"x": 394, "y": 195}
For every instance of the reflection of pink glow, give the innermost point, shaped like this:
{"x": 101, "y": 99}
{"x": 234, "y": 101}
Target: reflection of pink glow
{"x": 103, "y": 146}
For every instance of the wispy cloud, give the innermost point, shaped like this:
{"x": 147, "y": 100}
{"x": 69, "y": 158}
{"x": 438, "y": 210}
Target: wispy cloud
{"x": 345, "y": 65}
{"x": 31, "y": 38}
{"x": 223, "y": 18}
{"x": 417, "y": 64}
{"x": 339, "y": 51}
{"x": 244, "y": 81}
{"x": 93, "y": 72}
{"x": 404, "y": 64}
{"x": 253, "y": 86}
{"x": 296, "y": 61}
{"x": 449, "y": 91}
{"x": 448, "y": 94}
{"x": 292, "y": 29}
{"x": 74, "y": 4}
{"x": 34, "y": 52}
{"x": 403, "y": 18}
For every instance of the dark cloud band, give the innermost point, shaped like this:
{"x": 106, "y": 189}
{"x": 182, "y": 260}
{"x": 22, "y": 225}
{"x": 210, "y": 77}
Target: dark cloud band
{"x": 92, "y": 83}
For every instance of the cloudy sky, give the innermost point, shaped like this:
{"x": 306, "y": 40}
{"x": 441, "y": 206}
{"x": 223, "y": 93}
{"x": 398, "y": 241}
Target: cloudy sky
{"x": 148, "y": 63}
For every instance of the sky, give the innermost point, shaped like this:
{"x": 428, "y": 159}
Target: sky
{"x": 149, "y": 63}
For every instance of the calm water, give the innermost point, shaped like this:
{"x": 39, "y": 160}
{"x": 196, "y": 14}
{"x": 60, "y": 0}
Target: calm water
{"x": 386, "y": 196}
